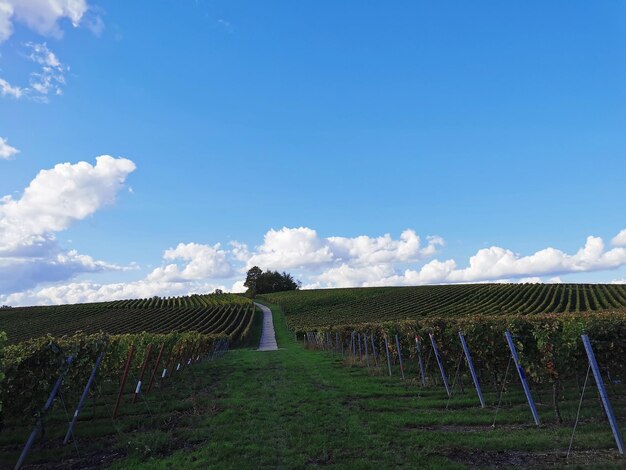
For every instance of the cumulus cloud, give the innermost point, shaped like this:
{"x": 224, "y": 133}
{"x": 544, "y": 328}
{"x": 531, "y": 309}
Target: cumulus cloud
{"x": 52, "y": 202}
{"x": 202, "y": 265}
{"x": 303, "y": 248}
{"x": 20, "y": 273}
{"x": 203, "y": 261}
{"x": 345, "y": 275}
{"x": 496, "y": 262}
{"x": 488, "y": 264}
{"x": 42, "y": 16}
{"x": 239, "y": 251}
{"x": 619, "y": 239}
{"x": 6, "y": 151}
{"x": 58, "y": 197}
{"x": 291, "y": 248}
{"x": 325, "y": 262}
{"x": 80, "y": 292}
{"x": 364, "y": 250}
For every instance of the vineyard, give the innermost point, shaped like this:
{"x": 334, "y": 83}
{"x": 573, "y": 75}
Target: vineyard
{"x": 541, "y": 328}
{"x": 208, "y": 314}
{"x": 312, "y": 309}
{"x": 132, "y": 346}
{"x": 120, "y": 375}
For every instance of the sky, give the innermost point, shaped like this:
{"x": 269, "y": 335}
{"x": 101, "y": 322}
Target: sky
{"x": 165, "y": 147}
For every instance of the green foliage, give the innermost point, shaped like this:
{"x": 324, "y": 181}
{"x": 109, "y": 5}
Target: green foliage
{"x": 549, "y": 345}
{"x": 32, "y": 367}
{"x": 312, "y": 309}
{"x": 209, "y": 314}
{"x": 260, "y": 282}
{"x": 3, "y": 339}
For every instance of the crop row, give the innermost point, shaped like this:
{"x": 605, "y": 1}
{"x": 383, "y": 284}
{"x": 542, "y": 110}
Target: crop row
{"x": 316, "y": 308}
{"x": 549, "y": 345}
{"x": 219, "y": 318}
{"x": 32, "y": 367}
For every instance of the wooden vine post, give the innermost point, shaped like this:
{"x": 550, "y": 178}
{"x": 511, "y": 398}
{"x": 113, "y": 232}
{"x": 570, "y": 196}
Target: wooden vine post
{"x": 129, "y": 360}
{"x": 142, "y": 372}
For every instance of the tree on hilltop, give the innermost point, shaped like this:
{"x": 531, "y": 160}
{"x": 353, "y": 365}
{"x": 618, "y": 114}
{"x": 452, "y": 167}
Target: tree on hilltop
{"x": 265, "y": 282}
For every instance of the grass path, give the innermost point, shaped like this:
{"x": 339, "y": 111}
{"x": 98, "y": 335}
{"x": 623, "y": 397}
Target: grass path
{"x": 295, "y": 408}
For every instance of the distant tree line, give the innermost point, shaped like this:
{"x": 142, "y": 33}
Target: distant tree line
{"x": 266, "y": 282}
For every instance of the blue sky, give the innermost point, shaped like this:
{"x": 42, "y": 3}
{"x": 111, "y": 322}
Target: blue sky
{"x": 488, "y": 124}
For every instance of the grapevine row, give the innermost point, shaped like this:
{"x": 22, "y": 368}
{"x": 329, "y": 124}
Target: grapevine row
{"x": 315, "y": 308}
{"x": 210, "y": 314}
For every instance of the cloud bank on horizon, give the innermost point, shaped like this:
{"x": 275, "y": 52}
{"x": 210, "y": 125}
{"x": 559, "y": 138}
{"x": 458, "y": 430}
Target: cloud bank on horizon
{"x": 36, "y": 269}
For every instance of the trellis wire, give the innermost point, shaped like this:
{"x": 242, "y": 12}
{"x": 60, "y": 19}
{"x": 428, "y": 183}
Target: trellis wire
{"x": 506, "y": 374}
{"x": 440, "y": 362}
{"x": 580, "y": 402}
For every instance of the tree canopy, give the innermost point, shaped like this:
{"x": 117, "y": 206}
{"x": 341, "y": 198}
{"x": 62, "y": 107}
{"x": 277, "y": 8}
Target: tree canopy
{"x": 265, "y": 282}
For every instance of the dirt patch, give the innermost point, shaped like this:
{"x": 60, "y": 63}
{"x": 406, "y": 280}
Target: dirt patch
{"x": 95, "y": 460}
{"x": 524, "y": 459}
{"x": 497, "y": 459}
{"x": 457, "y": 428}
{"x": 325, "y": 459}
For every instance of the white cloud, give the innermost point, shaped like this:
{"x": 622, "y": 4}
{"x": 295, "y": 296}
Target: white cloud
{"x": 323, "y": 262}
{"x": 349, "y": 276}
{"x": 238, "y": 287}
{"x": 619, "y": 239}
{"x": 58, "y": 197}
{"x": 42, "y": 16}
{"x": 204, "y": 264}
{"x": 203, "y": 261}
{"x": 488, "y": 264}
{"x": 19, "y": 273}
{"x": 303, "y": 248}
{"x": 364, "y": 250}
{"x": 6, "y": 151}
{"x": 6, "y": 25}
{"x": 6, "y": 89}
{"x": 48, "y": 79}
{"x": 52, "y": 202}
{"x": 619, "y": 281}
{"x": 291, "y": 248}
{"x": 239, "y": 250}
{"x": 51, "y": 77}
{"x": 79, "y": 292}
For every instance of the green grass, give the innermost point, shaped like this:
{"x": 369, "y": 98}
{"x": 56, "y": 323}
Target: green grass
{"x": 296, "y": 408}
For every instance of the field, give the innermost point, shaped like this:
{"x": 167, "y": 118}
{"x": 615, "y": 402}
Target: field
{"x": 298, "y": 408}
{"x": 312, "y": 309}
{"x": 343, "y": 390}
{"x": 207, "y": 314}
{"x": 127, "y": 341}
